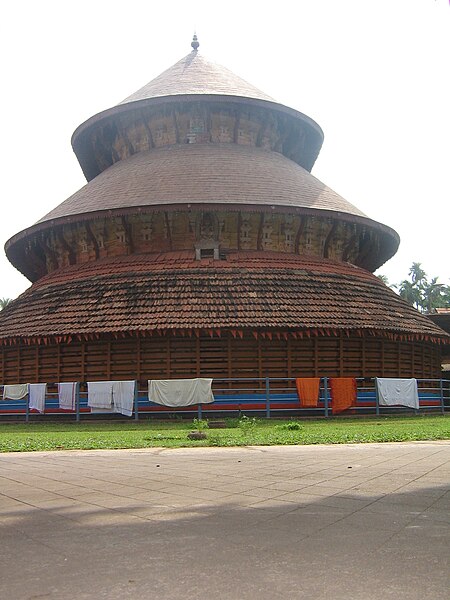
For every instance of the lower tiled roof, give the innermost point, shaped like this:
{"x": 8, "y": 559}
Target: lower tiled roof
{"x": 249, "y": 291}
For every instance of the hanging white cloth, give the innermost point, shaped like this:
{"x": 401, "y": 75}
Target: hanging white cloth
{"x": 180, "y": 392}
{"x": 15, "y": 392}
{"x": 67, "y": 395}
{"x": 37, "y": 396}
{"x": 123, "y": 397}
{"x": 397, "y": 392}
{"x": 100, "y": 395}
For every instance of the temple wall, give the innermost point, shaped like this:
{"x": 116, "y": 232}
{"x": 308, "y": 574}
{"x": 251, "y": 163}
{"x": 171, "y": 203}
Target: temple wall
{"x": 164, "y": 357}
{"x": 199, "y": 122}
{"x": 164, "y": 231}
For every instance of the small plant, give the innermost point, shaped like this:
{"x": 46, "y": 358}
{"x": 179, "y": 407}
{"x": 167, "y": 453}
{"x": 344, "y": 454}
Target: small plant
{"x": 200, "y": 424}
{"x": 247, "y": 424}
{"x": 291, "y": 426}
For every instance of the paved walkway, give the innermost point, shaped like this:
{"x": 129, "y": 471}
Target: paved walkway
{"x": 367, "y": 522}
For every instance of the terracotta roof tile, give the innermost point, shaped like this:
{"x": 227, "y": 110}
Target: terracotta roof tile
{"x": 141, "y": 294}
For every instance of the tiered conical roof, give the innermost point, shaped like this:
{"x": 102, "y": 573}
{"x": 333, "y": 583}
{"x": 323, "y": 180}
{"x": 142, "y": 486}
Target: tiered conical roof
{"x": 129, "y": 292}
{"x": 193, "y": 75}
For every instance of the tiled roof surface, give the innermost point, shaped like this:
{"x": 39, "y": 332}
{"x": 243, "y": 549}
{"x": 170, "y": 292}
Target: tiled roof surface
{"x": 174, "y": 292}
{"x": 203, "y": 173}
{"x": 193, "y": 74}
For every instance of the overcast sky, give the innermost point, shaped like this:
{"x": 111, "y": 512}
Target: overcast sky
{"x": 373, "y": 74}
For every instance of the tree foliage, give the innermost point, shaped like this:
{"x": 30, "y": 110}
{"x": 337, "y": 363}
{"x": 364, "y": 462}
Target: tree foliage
{"x": 4, "y": 302}
{"x": 424, "y": 294}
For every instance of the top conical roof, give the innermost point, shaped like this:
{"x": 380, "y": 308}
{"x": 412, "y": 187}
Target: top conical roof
{"x": 193, "y": 74}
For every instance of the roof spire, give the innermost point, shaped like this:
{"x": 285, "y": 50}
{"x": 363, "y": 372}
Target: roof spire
{"x": 195, "y": 44}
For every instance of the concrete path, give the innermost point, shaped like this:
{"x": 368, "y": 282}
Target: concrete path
{"x": 367, "y": 522}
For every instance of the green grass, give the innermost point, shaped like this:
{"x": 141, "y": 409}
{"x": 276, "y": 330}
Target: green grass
{"x": 248, "y": 431}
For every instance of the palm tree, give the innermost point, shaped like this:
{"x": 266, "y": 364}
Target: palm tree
{"x": 4, "y": 302}
{"x": 418, "y": 275}
{"x": 409, "y": 292}
{"x": 434, "y": 295}
{"x": 384, "y": 279}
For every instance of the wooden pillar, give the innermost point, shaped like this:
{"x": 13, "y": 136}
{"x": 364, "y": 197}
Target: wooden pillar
{"x": 229, "y": 358}
{"x": 108, "y": 359}
{"x": 423, "y": 359}
{"x": 19, "y": 365}
{"x": 168, "y": 357}
{"x": 197, "y": 356}
{"x": 83, "y": 362}
{"x": 58, "y": 362}
{"x": 138, "y": 358}
{"x": 260, "y": 364}
{"x": 316, "y": 357}
{"x": 341, "y": 354}
{"x": 363, "y": 356}
{"x": 289, "y": 357}
{"x": 36, "y": 363}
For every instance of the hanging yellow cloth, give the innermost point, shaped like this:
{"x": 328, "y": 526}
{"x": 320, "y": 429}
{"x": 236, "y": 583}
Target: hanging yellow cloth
{"x": 343, "y": 393}
{"x": 308, "y": 390}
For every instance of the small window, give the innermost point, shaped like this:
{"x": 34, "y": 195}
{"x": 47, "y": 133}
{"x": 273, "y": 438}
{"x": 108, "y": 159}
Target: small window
{"x": 207, "y": 253}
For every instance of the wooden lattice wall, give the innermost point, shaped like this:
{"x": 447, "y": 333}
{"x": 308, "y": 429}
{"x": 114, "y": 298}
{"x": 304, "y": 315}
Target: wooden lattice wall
{"x": 164, "y": 357}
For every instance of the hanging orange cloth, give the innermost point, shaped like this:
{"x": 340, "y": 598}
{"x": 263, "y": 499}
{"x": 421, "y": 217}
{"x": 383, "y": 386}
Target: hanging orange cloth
{"x": 308, "y": 390}
{"x": 343, "y": 393}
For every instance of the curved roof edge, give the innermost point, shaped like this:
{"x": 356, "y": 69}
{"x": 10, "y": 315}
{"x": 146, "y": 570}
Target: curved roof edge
{"x": 12, "y": 253}
{"x": 81, "y": 144}
{"x": 248, "y": 296}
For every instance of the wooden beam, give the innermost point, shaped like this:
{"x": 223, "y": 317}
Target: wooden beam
{"x": 260, "y": 362}
{"x": 64, "y": 243}
{"x": 175, "y": 124}
{"x": 316, "y": 356}
{"x": 169, "y": 233}
{"x": 261, "y": 131}
{"x": 289, "y": 356}
{"x": 151, "y": 143}
{"x": 129, "y": 145}
{"x": 168, "y": 357}
{"x": 128, "y": 235}
{"x": 238, "y": 229}
{"x": 138, "y": 358}
{"x": 48, "y": 252}
{"x": 260, "y": 231}
{"x": 197, "y": 356}
{"x": 348, "y": 246}
{"x": 236, "y": 126}
{"x": 108, "y": 359}
{"x": 298, "y": 236}
{"x": 40, "y": 267}
{"x": 114, "y": 156}
{"x": 83, "y": 362}
{"x": 365, "y": 251}
{"x": 92, "y": 239}
{"x": 36, "y": 363}
{"x": 328, "y": 239}
{"x": 229, "y": 359}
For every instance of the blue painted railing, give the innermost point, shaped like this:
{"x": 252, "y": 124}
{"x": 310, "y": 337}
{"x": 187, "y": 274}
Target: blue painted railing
{"x": 263, "y": 396}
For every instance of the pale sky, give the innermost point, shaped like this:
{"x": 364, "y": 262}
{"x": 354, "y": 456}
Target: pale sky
{"x": 373, "y": 74}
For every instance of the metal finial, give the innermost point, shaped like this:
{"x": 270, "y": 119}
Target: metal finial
{"x": 194, "y": 42}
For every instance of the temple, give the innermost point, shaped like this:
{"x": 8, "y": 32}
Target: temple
{"x": 201, "y": 245}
